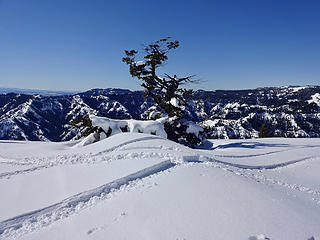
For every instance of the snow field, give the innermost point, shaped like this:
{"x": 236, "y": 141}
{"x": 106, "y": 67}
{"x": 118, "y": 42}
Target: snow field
{"x": 206, "y": 207}
{"x": 137, "y": 186}
{"x": 60, "y": 182}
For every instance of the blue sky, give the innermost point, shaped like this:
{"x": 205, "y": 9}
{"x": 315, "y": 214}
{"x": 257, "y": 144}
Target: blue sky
{"x": 78, "y": 45}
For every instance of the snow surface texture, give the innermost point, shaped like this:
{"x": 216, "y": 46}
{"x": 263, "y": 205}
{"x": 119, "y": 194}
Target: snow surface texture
{"x": 138, "y": 186}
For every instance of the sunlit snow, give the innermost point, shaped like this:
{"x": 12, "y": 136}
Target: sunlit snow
{"x": 138, "y": 186}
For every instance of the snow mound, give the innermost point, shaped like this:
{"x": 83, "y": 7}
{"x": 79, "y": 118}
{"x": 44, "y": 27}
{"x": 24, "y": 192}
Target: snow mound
{"x": 114, "y": 126}
{"x": 131, "y": 125}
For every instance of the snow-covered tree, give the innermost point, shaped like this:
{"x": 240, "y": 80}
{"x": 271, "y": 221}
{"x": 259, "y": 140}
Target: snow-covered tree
{"x": 167, "y": 91}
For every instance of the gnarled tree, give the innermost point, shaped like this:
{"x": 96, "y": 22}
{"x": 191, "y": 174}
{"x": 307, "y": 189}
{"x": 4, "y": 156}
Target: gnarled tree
{"x": 167, "y": 91}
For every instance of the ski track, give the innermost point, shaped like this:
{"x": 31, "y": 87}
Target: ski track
{"x": 37, "y": 219}
{"x": 65, "y": 157}
{"x": 34, "y": 220}
{"x": 74, "y": 159}
{"x": 45, "y": 216}
{"x": 14, "y": 163}
{"x": 90, "y": 158}
{"x": 107, "y": 159}
{"x": 267, "y": 153}
{"x": 260, "y": 167}
{"x": 17, "y": 172}
{"x": 129, "y": 142}
{"x": 258, "y": 176}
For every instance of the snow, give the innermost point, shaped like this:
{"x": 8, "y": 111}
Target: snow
{"x": 61, "y": 182}
{"x": 259, "y": 237}
{"x": 139, "y": 186}
{"x": 315, "y": 99}
{"x": 296, "y": 89}
{"x": 194, "y": 128}
{"x": 175, "y": 102}
{"x": 140, "y": 63}
{"x": 91, "y": 138}
{"x": 116, "y": 126}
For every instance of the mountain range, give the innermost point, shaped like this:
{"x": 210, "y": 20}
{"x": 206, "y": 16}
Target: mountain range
{"x": 292, "y": 111}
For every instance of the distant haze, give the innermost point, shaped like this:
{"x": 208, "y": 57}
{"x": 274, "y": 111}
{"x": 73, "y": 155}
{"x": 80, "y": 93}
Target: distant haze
{"x": 35, "y": 91}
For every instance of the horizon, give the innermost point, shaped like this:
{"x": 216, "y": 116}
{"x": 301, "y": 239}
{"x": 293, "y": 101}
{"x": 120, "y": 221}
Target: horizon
{"x": 63, "y": 46}
{"x": 133, "y": 90}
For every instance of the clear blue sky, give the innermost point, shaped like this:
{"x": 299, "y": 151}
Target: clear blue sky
{"x": 78, "y": 45}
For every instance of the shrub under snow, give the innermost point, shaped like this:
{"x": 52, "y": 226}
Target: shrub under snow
{"x": 154, "y": 127}
{"x": 107, "y": 127}
{"x": 97, "y": 128}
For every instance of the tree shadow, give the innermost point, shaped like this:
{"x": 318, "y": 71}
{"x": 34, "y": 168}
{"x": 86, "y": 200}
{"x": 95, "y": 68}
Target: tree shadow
{"x": 251, "y": 145}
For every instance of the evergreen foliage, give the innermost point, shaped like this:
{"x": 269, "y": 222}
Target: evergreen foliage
{"x": 264, "y": 131}
{"x": 85, "y": 127}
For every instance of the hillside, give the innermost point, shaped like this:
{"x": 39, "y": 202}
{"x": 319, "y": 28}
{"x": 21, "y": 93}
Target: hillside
{"x": 286, "y": 111}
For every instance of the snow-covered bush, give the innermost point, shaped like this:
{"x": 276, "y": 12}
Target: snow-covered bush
{"x": 97, "y": 128}
{"x": 184, "y": 132}
{"x": 113, "y": 126}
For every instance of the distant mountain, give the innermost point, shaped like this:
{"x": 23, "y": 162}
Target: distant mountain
{"x": 35, "y": 91}
{"x": 291, "y": 111}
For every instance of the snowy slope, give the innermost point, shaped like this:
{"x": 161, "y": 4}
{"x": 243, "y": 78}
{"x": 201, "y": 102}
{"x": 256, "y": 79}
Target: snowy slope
{"x": 137, "y": 186}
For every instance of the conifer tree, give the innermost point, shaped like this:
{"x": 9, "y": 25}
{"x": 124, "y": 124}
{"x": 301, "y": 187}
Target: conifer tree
{"x": 167, "y": 91}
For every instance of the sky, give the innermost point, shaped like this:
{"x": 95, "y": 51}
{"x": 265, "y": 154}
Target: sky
{"x": 78, "y": 45}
